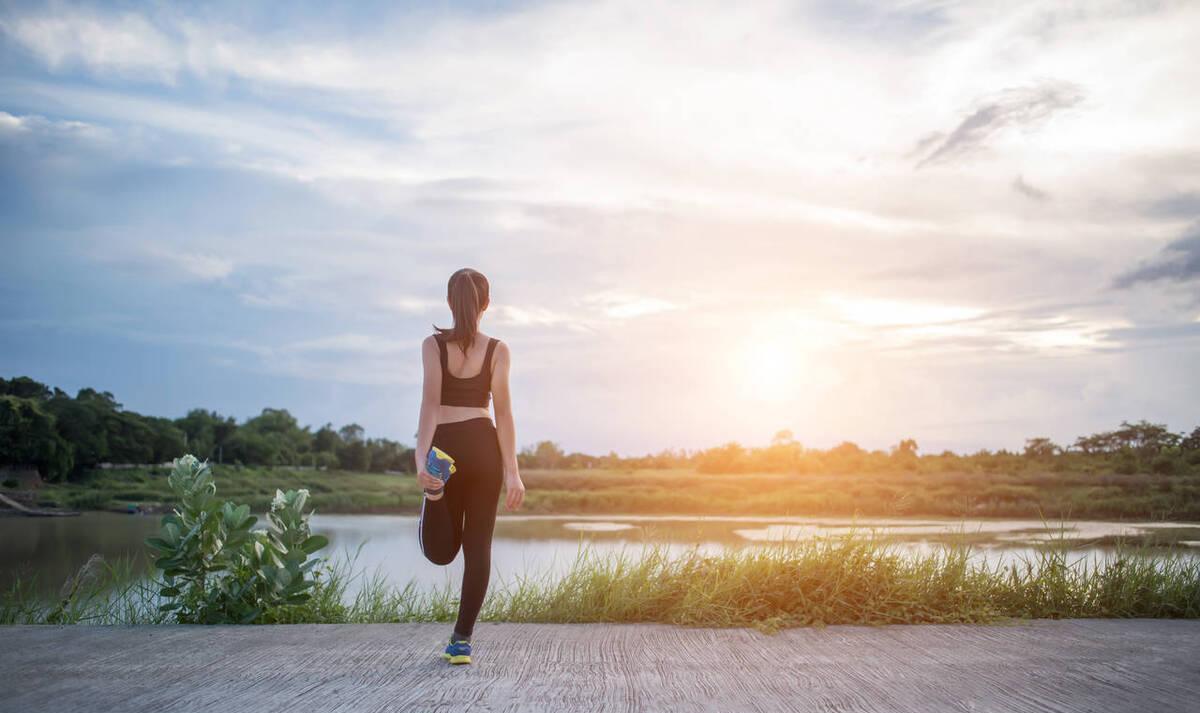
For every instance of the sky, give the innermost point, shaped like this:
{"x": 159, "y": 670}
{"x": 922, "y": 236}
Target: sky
{"x": 965, "y": 223}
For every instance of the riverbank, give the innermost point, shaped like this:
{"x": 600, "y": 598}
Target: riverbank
{"x": 954, "y": 494}
{"x": 1078, "y": 665}
{"x": 812, "y": 582}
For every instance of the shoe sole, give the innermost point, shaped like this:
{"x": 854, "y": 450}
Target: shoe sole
{"x": 457, "y": 660}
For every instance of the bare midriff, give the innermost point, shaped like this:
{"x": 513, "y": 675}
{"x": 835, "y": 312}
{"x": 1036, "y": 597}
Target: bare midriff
{"x": 452, "y": 414}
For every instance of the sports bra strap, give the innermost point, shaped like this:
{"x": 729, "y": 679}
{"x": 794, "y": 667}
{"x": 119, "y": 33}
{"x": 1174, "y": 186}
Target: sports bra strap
{"x": 442, "y": 351}
{"x": 487, "y": 357}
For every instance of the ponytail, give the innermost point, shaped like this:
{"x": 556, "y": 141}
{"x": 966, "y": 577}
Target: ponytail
{"x": 467, "y": 292}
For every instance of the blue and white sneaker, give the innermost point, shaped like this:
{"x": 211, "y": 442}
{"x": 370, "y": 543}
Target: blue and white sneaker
{"x": 458, "y": 652}
{"x": 440, "y": 465}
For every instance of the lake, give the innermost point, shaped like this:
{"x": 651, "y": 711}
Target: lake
{"x": 52, "y": 549}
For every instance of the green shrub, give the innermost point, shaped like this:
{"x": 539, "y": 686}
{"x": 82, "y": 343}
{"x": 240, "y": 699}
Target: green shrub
{"x": 216, "y": 570}
{"x": 1163, "y": 465}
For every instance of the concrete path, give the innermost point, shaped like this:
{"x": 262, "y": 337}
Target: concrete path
{"x": 1084, "y": 665}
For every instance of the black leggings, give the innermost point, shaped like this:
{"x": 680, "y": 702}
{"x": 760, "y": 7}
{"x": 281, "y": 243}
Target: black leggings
{"x": 466, "y": 514}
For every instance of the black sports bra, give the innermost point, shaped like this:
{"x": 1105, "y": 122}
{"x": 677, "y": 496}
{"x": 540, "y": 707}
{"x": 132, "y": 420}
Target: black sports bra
{"x": 473, "y": 391}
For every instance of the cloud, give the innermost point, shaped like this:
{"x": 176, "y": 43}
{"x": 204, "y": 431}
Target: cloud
{"x": 355, "y": 343}
{"x": 1179, "y": 261}
{"x": 1020, "y": 107}
{"x": 1177, "y": 205}
{"x": 886, "y": 312}
{"x": 199, "y": 266}
{"x": 126, "y": 44}
{"x": 34, "y": 124}
{"x": 1020, "y": 185}
{"x": 623, "y": 305}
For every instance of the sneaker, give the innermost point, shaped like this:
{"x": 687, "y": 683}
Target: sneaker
{"x": 458, "y": 652}
{"x": 440, "y": 465}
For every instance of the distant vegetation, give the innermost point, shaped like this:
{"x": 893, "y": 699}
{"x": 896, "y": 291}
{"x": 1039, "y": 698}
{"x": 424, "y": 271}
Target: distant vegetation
{"x": 64, "y": 437}
{"x": 67, "y": 438}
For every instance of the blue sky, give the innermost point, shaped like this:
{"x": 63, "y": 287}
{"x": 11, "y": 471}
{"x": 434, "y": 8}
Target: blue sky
{"x": 965, "y": 223}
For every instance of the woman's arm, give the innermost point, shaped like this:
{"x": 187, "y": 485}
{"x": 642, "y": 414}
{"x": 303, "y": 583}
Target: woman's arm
{"x": 506, "y": 430}
{"x": 431, "y": 396}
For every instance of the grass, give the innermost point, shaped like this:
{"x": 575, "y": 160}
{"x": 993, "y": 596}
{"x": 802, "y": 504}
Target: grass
{"x": 840, "y": 580}
{"x": 1027, "y": 493}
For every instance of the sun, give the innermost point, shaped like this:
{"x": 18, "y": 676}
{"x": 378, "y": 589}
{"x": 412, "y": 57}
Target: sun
{"x": 771, "y": 369}
{"x": 774, "y": 367}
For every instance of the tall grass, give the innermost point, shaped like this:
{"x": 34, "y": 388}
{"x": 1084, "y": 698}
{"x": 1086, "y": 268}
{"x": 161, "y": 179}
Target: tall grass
{"x": 841, "y": 580}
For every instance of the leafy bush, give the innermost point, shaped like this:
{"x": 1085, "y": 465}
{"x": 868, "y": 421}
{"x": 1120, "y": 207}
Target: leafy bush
{"x": 1126, "y": 465}
{"x": 216, "y": 569}
{"x": 1163, "y": 465}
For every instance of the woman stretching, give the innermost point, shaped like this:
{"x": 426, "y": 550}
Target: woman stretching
{"x": 462, "y": 366}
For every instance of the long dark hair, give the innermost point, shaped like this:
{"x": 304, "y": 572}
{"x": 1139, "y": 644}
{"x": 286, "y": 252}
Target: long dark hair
{"x": 467, "y": 291}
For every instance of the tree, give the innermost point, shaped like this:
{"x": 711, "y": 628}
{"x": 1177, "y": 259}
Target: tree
{"x": 783, "y": 438}
{"x": 729, "y": 458}
{"x": 167, "y": 441}
{"x": 1146, "y": 438}
{"x": 905, "y": 448}
{"x": 1040, "y": 448}
{"x": 351, "y": 432}
{"x": 546, "y": 454}
{"x": 25, "y": 388}
{"x": 326, "y": 440}
{"x": 355, "y": 456}
{"x": 207, "y": 432}
{"x": 277, "y": 436}
{"x": 82, "y": 424}
{"x": 28, "y": 437}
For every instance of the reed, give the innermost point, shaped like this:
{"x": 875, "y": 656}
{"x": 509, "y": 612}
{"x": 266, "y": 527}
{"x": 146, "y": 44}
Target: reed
{"x": 851, "y": 579}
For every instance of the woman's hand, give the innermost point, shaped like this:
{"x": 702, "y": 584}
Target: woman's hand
{"x": 514, "y": 490}
{"x": 428, "y": 480}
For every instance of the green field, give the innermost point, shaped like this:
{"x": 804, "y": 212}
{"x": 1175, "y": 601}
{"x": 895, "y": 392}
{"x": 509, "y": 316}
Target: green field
{"x": 1024, "y": 493}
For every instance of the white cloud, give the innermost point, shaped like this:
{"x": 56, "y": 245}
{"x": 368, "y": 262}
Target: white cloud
{"x": 409, "y": 304}
{"x": 198, "y": 266}
{"x": 622, "y": 305}
{"x": 356, "y": 343}
{"x": 882, "y": 312}
{"x": 8, "y": 122}
{"x": 125, "y": 44}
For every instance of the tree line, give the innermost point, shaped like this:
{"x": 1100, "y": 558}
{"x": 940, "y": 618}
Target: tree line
{"x": 64, "y": 437}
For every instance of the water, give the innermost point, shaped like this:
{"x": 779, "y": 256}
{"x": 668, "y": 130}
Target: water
{"x": 52, "y": 549}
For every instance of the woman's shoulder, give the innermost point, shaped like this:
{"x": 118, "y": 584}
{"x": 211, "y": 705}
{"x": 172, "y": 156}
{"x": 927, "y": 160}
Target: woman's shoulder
{"x": 488, "y": 338}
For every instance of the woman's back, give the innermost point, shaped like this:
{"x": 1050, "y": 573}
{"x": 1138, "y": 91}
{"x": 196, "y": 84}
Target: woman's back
{"x": 466, "y": 379}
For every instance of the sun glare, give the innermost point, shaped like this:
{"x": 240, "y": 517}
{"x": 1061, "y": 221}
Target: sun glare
{"x": 780, "y": 368}
{"x": 770, "y": 371}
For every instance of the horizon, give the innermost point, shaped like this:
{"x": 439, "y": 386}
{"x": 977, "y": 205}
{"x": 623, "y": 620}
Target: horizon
{"x": 966, "y": 224}
{"x": 1067, "y": 446}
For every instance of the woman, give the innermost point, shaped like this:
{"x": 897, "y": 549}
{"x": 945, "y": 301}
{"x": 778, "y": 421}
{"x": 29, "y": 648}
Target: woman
{"x": 462, "y": 365}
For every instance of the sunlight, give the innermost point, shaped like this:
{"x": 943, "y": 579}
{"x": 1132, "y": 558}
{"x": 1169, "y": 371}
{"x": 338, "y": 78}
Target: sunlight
{"x": 882, "y": 312}
{"x": 778, "y": 368}
{"x": 769, "y": 371}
